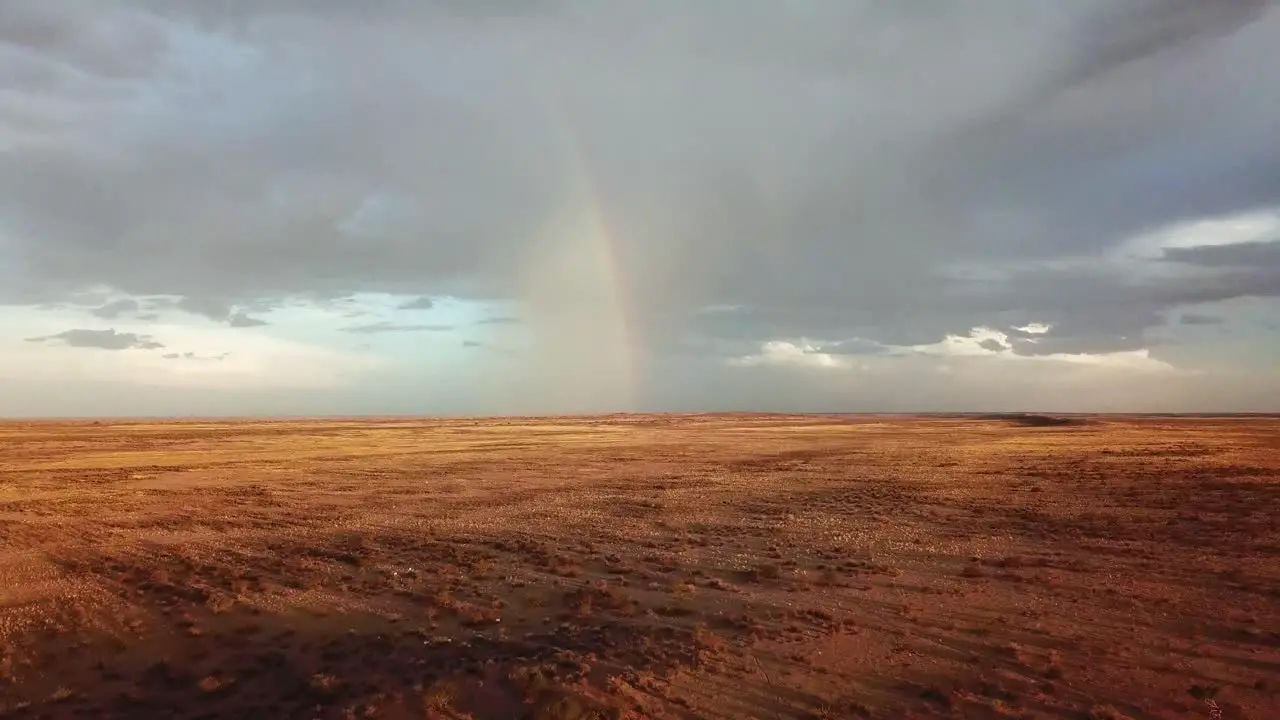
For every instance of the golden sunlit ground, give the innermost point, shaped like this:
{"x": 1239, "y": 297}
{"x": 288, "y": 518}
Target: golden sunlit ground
{"x": 726, "y": 566}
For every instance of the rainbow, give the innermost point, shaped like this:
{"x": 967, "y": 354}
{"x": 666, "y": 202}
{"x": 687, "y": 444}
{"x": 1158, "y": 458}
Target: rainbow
{"x": 579, "y": 253}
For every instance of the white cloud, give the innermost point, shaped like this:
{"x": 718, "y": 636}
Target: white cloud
{"x": 977, "y": 343}
{"x": 982, "y": 343}
{"x": 1234, "y": 229}
{"x": 1137, "y": 360}
{"x": 785, "y": 353}
{"x": 1035, "y": 328}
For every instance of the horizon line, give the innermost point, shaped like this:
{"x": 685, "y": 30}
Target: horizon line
{"x": 972, "y": 414}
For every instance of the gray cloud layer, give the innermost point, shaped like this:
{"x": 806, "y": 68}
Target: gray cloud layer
{"x": 422, "y": 302}
{"x": 1258, "y": 257}
{"x": 390, "y": 327}
{"x": 241, "y": 320}
{"x": 826, "y": 167}
{"x": 115, "y": 309}
{"x": 1199, "y": 319}
{"x": 101, "y": 339}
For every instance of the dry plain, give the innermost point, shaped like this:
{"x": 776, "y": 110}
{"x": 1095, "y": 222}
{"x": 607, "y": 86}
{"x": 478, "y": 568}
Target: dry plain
{"x": 719, "y": 566}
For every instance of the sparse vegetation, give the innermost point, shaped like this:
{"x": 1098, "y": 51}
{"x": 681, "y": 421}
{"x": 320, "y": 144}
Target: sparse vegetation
{"x": 620, "y": 567}
{"x": 440, "y": 697}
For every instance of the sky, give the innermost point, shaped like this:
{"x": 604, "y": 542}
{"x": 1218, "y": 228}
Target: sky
{"x": 321, "y": 207}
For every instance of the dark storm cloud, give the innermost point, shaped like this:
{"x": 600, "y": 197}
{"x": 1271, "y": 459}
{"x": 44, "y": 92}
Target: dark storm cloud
{"x": 1131, "y": 32}
{"x": 101, "y": 339}
{"x": 1085, "y": 309}
{"x": 803, "y": 162}
{"x": 390, "y": 327}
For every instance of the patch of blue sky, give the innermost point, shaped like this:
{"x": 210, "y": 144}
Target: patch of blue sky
{"x": 380, "y": 322}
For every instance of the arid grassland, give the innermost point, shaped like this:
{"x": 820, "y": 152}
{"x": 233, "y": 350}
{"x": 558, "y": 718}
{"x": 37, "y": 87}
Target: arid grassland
{"x": 718, "y": 566}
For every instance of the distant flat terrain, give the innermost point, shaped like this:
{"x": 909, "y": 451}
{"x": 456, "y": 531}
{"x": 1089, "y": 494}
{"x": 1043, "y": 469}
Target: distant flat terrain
{"x": 684, "y": 566}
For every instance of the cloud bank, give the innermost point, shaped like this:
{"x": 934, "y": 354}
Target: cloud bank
{"x": 685, "y": 204}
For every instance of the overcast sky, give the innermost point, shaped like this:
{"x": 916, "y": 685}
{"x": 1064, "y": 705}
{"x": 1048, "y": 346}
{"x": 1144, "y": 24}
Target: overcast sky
{"x": 230, "y": 207}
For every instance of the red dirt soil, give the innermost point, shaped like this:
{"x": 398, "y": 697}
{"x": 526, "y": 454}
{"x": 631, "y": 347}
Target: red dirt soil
{"x": 642, "y": 567}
